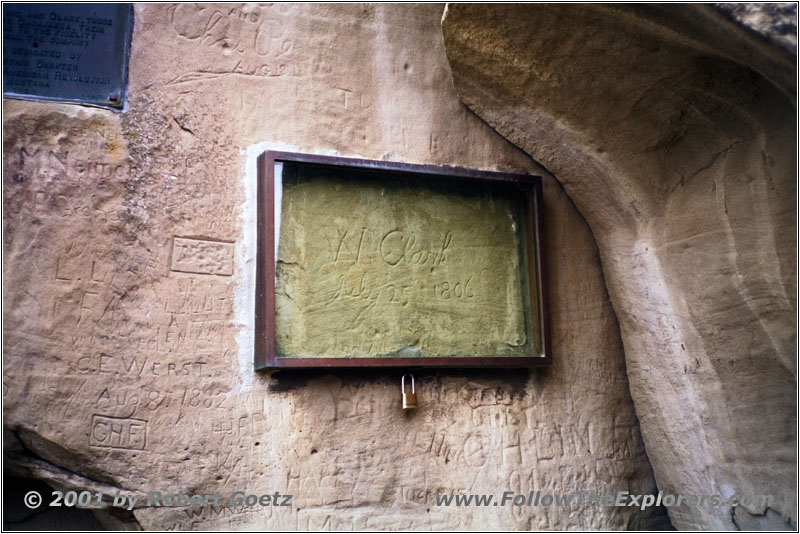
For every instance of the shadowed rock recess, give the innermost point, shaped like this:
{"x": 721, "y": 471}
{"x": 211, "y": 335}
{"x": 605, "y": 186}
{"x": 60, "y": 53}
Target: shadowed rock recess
{"x": 672, "y": 129}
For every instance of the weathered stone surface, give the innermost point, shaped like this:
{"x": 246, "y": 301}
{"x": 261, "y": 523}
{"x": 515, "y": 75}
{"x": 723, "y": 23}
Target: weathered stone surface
{"x": 128, "y": 341}
{"x": 683, "y": 162}
{"x": 375, "y": 267}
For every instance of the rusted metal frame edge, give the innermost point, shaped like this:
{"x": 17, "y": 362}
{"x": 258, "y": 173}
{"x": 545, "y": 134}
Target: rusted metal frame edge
{"x": 264, "y": 348}
{"x": 537, "y": 202}
{"x": 424, "y": 362}
{"x": 439, "y": 170}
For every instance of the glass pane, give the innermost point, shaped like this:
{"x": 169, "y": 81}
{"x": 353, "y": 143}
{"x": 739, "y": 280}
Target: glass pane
{"x": 390, "y": 264}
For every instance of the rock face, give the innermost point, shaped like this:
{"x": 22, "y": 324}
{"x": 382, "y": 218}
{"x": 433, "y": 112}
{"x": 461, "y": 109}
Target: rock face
{"x": 678, "y": 148}
{"x": 129, "y": 294}
{"x": 374, "y": 267}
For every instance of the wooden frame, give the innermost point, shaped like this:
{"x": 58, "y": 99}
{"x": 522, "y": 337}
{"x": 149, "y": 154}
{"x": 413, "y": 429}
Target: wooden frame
{"x": 265, "y": 349}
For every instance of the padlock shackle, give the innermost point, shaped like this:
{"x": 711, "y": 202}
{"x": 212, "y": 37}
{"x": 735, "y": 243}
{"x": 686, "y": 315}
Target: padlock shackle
{"x": 403, "y": 383}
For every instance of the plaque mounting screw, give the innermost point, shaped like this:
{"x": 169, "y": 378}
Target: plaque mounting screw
{"x": 113, "y": 97}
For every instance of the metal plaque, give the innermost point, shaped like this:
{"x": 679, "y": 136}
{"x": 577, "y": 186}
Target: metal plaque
{"x": 67, "y": 52}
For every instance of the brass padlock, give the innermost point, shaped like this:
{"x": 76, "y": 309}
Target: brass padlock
{"x": 409, "y": 399}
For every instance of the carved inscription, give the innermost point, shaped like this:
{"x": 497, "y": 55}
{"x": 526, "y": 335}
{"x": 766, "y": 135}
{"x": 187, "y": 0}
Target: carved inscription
{"x": 369, "y": 268}
{"x": 250, "y": 41}
{"x": 99, "y": 320}
{"x": 118, "y": 433}
{"x": 202, "y": 256}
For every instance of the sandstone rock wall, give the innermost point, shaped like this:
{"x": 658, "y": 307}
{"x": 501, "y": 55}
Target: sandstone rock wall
{"x": 673, "y": 131}
{"x": 368, "y": 266}
{"x": 126, "y": 368}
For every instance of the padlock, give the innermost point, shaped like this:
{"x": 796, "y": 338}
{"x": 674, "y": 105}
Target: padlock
{"x": 409, "y": 399}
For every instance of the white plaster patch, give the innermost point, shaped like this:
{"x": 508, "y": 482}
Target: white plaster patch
{"x": 245, "y": 294}
{"x": 246, "y": 247}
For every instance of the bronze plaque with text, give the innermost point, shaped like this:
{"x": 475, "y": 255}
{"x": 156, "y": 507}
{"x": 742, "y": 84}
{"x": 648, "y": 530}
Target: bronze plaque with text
{"x": 67, "y": 52}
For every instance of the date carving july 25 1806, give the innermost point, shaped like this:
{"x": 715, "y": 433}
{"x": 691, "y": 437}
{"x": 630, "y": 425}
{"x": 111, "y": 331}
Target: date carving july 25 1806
{"x": 367, "y": 269}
